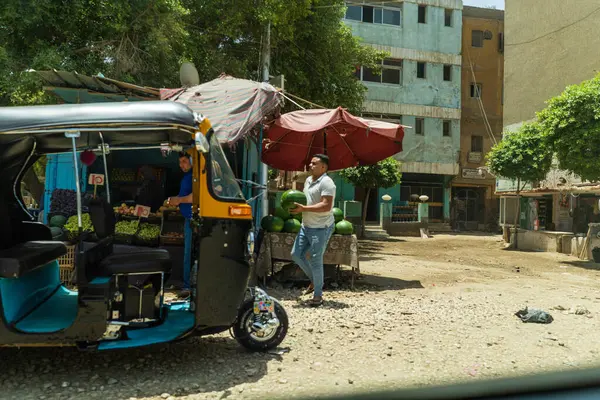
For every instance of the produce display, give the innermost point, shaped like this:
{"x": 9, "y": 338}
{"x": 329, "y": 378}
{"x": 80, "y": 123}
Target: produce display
{"x": 344, "y": 228}
{"x": 292, "y": 225}
{"x": 58, "y": 221}
{"x": 178, "y": 235}
{"x": 149, "y": 232}
{"x": 63, "y": 201}
{"x": 57, "y": 233}
{"x": 290, "y": 197}
{"x": 72, "y": 229}
{"x": 128, "y": 228}
{"x": 338, "y": 214}
{"x": 123, "y": 175}
{"x": 282, "y": 213}
{"x": 298, "y": 217}
{"x": 272, "y": 224}
{"x": 124, "y": 210}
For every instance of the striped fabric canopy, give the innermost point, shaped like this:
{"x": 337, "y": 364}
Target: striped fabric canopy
{"x": 233, "y": 106}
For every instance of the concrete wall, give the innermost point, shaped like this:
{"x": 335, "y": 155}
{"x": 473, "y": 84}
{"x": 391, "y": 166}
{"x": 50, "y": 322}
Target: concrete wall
{"x": 542, "y": 240}
{"x": 483, "y": 65}
{"x": 432, "y": 146}
{"x": 432, "y": 36}
{"x": 549, "y": 45}
{"x": 431, "y": 98}
{"x": 432, "y": 91}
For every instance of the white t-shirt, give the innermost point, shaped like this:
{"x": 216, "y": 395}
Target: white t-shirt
{"x": 323, "y": 186}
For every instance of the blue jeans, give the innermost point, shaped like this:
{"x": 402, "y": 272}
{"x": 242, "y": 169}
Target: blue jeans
{"x": 187, "y": 255}
{"x": 312, "y": 241}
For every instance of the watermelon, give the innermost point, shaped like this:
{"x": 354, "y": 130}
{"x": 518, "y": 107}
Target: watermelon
{"x": 344, "y": 228}
{"x": 297, "y": 217}
{"x": 290, "y": 197}
{"x": 272, "y": 224}
{"x": 283, "y": 214}
{"x": 292, "y": 225}
{"x": 57, "y": 233}
{"x": 338, "y": 214}
{"x": 58, "y": 221}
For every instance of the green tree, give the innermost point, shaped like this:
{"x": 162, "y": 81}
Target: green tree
{"x": 144, "y": 42}
{"x": 523, "y": 156}
{"x": 385, "y": 174}
{"x": 571, "y": 123}
{"x": 136, "y": 41}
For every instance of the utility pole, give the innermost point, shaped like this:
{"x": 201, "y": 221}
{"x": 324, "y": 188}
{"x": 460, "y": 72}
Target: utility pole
{"x": 265, "y": 63}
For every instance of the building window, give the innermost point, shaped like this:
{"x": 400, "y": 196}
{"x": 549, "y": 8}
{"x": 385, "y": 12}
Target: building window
{"x": 476, "y": 90}
{"x": 447, "y": 128}
{"x": 477, "y": 38}
{"x": 419, "y": 126}
{"x": 393, "y": 118}
{"x": 477, "y": 144}
{"x": 421, "y": 70}
{"x": 391, "y": 72}
{"x": 373, "y": 15}
{"x": 448, "y": 73}
{"x": 422, "y": 14}
{"x": 354, "y": 13}
{"x": 501, "y": 42}
{"x": 447, "y": 17}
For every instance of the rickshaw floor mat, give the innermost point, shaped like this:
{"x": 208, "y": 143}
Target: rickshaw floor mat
{"x": 55, "y": 314}
{"x": 179, "y": 320}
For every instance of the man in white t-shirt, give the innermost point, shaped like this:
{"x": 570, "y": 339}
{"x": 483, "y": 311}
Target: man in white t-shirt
{"x": 318, "y": 224}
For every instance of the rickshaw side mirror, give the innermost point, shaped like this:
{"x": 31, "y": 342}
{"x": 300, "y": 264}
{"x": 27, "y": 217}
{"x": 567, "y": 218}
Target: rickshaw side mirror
{"x": 201, "y": 143}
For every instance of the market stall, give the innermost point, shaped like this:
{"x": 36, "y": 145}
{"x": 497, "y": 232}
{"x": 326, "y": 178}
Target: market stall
{"x": 139, "y": 186}
{"x": 277, "y": 246}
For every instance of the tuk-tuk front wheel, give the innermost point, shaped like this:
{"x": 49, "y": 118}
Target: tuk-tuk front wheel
{"x": 245, "y": 332}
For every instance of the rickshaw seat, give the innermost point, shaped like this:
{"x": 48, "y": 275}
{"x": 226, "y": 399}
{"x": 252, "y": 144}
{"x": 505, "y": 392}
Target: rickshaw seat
{"x": 148, "y": 261}
{"x": 19, "y": 259}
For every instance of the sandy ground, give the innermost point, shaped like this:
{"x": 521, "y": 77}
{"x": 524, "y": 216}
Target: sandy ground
{"x": 426, "y": 312}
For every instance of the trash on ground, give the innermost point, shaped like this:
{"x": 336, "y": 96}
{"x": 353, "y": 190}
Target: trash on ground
{"x": 534, "y": 315}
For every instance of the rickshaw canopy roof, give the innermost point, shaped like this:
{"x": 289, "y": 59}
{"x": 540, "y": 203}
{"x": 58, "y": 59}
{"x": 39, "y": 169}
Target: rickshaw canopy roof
{"x": 121, "y": 123}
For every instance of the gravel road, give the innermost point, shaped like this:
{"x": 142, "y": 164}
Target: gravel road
{"x": 426, "y": 312}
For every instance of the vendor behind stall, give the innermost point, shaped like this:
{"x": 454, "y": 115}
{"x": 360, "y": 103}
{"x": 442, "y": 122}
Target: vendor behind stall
{"x": 184, "y": 201}
{"x": 149, "y": 193}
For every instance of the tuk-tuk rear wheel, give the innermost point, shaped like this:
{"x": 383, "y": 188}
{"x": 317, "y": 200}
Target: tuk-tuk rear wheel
{"x": 246, "y": 337}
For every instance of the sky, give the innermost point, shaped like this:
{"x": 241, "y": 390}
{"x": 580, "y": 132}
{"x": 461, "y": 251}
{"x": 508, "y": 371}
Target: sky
{"x": 485, "y": 3}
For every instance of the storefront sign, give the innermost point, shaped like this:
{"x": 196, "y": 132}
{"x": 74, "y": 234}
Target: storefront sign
{"x": 474, "y": 157}
{"x": 472, "y": 173}
{"x": 506, "y": 185}
{"x": 96, "y": 180}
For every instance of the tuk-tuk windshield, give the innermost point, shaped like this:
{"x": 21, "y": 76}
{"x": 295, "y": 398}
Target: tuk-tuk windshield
{"x": 224, "y": 184}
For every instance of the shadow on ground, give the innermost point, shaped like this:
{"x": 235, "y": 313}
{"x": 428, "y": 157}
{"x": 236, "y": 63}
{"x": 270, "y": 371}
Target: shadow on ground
{"x": 583, "y": 264}
{"x": 192, "y": 366}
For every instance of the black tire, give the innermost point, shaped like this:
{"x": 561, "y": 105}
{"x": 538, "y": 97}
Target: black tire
{"x": 243, "y": 336}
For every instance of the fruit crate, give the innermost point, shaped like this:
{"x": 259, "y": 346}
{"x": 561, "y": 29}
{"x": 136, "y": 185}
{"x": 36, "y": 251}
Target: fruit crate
{"x": 171, "y": 230}
{"x": 66, "y": 265}
{"x": 138, "y": 241}
{"x": 123, "y": 238}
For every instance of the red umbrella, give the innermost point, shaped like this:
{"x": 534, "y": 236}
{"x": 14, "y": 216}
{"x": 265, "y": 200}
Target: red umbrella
{"x": 295, "y": 137}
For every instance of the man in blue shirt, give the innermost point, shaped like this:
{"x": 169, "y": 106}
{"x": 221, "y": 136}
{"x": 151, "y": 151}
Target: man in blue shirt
{"x": 184, "y": 201}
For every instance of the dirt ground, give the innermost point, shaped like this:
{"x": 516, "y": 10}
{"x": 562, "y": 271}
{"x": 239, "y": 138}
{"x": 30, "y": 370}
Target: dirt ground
{"x": 426, "y": 311}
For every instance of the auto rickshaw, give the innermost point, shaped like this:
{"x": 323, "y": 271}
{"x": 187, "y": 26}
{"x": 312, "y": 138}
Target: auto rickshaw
{"x": 38, "y": 310}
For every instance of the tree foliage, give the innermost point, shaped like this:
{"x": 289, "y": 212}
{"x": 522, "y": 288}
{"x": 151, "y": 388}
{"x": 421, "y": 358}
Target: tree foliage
{"x": 571, "y": 123}
{"x": 144, "y": 42}
{"x": 522, "y": 155}
{"x": 384, "y": 174}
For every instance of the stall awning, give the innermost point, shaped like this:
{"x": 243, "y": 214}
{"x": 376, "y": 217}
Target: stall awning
{"x": 234, "y": 106}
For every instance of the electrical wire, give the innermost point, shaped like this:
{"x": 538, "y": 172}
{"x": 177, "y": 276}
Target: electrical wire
{"x": 554, "y": 31}
{"x": 486, "y": 122}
